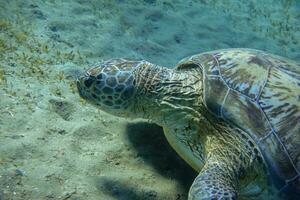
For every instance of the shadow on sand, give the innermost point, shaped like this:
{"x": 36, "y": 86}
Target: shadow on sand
{"x": 151, "y": 145}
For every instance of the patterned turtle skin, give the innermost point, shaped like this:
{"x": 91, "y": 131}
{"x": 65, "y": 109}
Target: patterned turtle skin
{"x": 233, "y": 115}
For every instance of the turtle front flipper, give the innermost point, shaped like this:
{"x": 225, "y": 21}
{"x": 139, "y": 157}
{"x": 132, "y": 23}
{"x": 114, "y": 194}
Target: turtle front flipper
{"x": 216, "y": 180}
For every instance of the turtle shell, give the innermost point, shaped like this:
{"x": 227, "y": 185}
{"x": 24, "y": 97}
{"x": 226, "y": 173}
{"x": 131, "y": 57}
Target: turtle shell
{"x": 259, "y": 93}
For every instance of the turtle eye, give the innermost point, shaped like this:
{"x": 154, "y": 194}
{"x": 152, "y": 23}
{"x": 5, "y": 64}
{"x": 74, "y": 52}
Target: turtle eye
{"x": 100, "y": 76}
{"x": 88, "y": 82}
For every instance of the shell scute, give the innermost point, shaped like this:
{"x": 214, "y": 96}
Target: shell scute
{"x": 245, "y": 113}
{"x": 274, "y": 152}
{"x": 282, "y": 107}
{"x": 280, "y": 103}
{"x": 241, "y": 78}
{"x": 289, "y": 66}
{"x": 214, "y": 94}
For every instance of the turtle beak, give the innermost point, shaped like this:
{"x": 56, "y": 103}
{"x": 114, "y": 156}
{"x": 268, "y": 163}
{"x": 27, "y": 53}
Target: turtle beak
{"x": 83, "y": 83}
{"x": 79, "y": 87}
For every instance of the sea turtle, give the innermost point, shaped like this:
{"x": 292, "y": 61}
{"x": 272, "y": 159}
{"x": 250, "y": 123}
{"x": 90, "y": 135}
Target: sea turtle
{"x": 232, "y": 114}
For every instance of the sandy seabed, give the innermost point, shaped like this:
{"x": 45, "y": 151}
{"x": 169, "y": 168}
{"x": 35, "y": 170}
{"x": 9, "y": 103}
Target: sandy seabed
{"x": 55, "y": 146}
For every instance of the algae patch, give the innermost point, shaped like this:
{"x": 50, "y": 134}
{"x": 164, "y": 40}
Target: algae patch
{"x": 28, "y": 60}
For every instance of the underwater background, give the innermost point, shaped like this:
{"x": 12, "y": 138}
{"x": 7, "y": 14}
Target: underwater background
{"x": 55, "y": 146}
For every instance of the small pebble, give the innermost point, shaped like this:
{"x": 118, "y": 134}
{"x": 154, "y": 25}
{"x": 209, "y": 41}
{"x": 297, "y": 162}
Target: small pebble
{"x": 20, "y": 172}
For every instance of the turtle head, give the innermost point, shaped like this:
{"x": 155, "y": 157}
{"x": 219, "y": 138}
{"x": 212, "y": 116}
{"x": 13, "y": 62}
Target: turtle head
{"x": 110, "y": 85}
{"x": 138, "y": 89}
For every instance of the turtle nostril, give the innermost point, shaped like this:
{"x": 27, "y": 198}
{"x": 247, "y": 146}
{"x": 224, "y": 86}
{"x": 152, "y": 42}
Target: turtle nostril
{"x": 88, "y": 82}
{"x": 78, "y": 83}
